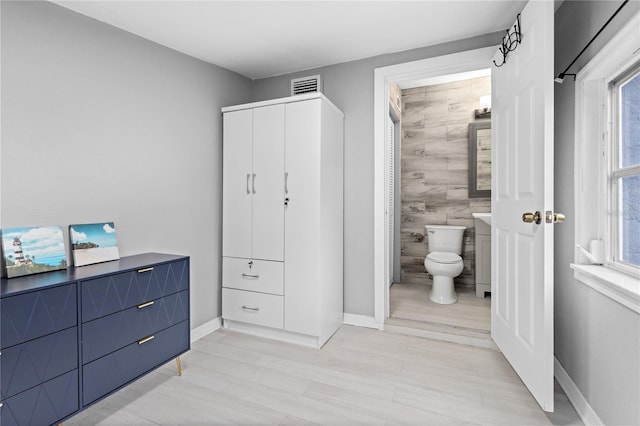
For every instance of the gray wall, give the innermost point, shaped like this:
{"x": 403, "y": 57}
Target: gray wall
{"x": 101, "y": 125}
{"x": 350, "y": 86}
{"x": 597, "y": 340}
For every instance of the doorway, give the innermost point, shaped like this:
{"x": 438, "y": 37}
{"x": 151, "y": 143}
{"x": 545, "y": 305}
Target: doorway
{"x": 405, "y": 304}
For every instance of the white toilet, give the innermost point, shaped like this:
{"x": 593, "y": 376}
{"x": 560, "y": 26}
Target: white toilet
{"x": 443, "y": 261}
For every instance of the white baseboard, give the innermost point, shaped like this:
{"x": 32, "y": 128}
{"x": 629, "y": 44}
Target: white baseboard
{"x": 206, "y": 328}
{"x": 579, "y": 402}
{"x": 361, "y": 321}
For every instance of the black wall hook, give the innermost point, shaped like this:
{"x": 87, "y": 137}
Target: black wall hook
{"x": 510, "y": 41}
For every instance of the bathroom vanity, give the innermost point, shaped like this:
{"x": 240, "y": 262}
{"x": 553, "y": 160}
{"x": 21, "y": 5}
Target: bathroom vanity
{"x": 482, "y": 222}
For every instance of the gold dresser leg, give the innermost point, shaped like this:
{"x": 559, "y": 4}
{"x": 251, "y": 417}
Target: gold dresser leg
{"x": 179, "y": 366}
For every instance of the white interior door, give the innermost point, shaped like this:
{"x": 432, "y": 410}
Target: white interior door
{"x": 268, "y": 183}
{"x": 236, "y": 187}
{"x": 522, "y": 181}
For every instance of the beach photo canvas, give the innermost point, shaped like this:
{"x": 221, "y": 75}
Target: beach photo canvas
{"x": 93, "y": 243}
{"x": 33, "y": 250}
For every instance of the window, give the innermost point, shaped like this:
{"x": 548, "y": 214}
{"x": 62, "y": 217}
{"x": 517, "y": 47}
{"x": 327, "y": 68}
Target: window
{"x": 607, "y": 169}
{"x": 624, "y": 178}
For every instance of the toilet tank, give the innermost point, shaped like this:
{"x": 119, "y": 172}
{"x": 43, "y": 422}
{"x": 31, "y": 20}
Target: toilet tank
{"x": 445, "y": 238}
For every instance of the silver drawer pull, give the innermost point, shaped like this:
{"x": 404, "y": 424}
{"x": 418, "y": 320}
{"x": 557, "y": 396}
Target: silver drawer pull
{"x": 1, "y": 404}
{"x": 145, "y": 340}
{"x": 250, "y": 276}
{"x": 248, "y": 177}
{"x": 250, "y": 308}
{"x": 140, "y": 271}
{"x": 144, "y": 305}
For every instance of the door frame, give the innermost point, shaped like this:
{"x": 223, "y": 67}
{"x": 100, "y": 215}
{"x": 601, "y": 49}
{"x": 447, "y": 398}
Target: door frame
{"x": 466, "y": 61}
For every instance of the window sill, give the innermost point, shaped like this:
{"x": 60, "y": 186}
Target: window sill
{"x": 617, "y": 286}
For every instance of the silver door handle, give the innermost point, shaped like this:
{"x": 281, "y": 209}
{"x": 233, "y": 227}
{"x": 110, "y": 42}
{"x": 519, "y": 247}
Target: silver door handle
{"x": 248, "y": 175}
{"x": 250, "y": 276}
{"x": 253, "y": 183}
{"x": 286, "y": 182}
{"x": 250, "y": 308}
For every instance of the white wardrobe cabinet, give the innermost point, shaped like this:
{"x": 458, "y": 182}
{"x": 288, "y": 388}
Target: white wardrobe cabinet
{"x": 295, "y": 148}
{"x": 253, "y": 190}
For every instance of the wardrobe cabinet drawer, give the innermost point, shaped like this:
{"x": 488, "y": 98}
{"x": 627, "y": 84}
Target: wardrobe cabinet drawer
{"x": 36, "y": 314}
{"x": 254, "y": 308}
{"x": 44, "y": 404}
{"x": 110, "y": 372}
{"x": 106, "y": 295}
{"x": 112, "y": 332}
{"x": 29, "y": 364}
{"x": 253, "y": 275}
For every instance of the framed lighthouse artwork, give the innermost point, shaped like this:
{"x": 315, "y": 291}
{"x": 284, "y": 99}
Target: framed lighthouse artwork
{"x": 32, "y": 250}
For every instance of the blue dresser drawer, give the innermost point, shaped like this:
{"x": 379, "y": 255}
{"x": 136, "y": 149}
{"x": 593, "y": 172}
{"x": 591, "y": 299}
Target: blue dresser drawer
{"x": 106, "y": 295}
{"x": 29, "y": 364}
{"x": 110, "y": 372}
{"x": 36, "y": 314}
{"x": 107, "y": 334}
{"x": 44, "y": 404}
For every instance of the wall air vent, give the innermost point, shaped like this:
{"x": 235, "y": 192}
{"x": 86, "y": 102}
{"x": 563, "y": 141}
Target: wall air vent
{"x": 308, "y": 84}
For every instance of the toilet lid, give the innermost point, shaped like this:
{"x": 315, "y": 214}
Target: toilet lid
{"x": 442, "y": 257}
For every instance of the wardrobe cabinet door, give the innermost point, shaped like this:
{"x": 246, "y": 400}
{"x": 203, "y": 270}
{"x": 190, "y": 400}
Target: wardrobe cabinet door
{"x": 237, "y": 190}
{"x": 302, "y": 216}
{"x": 268, "y": 196}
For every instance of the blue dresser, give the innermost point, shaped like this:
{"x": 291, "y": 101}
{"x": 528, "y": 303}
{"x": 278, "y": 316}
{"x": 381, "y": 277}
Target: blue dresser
{"x": 69, "y": 338}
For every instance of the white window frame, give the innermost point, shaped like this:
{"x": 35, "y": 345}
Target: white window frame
{"x": 592, "y": 167}
{"x": 617, "y": 172}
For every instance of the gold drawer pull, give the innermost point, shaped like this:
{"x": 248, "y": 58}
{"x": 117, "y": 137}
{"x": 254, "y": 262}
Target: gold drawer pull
{"x": 144, "y": 305}
{"x": 140, "y": 271}
{"x": 145, "y": 340}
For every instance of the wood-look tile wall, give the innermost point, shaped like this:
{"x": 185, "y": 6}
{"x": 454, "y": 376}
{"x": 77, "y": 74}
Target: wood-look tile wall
{"x": 434, "y": 171}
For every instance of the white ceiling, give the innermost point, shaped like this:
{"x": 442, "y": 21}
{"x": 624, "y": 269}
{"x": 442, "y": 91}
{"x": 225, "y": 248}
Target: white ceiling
{"x": 266, "y": 38}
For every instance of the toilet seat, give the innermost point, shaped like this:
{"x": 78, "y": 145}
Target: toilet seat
{"x": 443, "y": 257}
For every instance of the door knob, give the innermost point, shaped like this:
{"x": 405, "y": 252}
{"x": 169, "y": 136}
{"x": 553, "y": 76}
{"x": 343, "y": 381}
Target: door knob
{"x": 551, "y": 217}
{"x": 532, "y": 217}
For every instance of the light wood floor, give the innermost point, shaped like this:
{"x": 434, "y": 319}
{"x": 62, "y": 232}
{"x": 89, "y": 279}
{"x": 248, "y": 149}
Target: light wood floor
{"x": 411, "y": 302}
{"x": 361, "y": 376}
